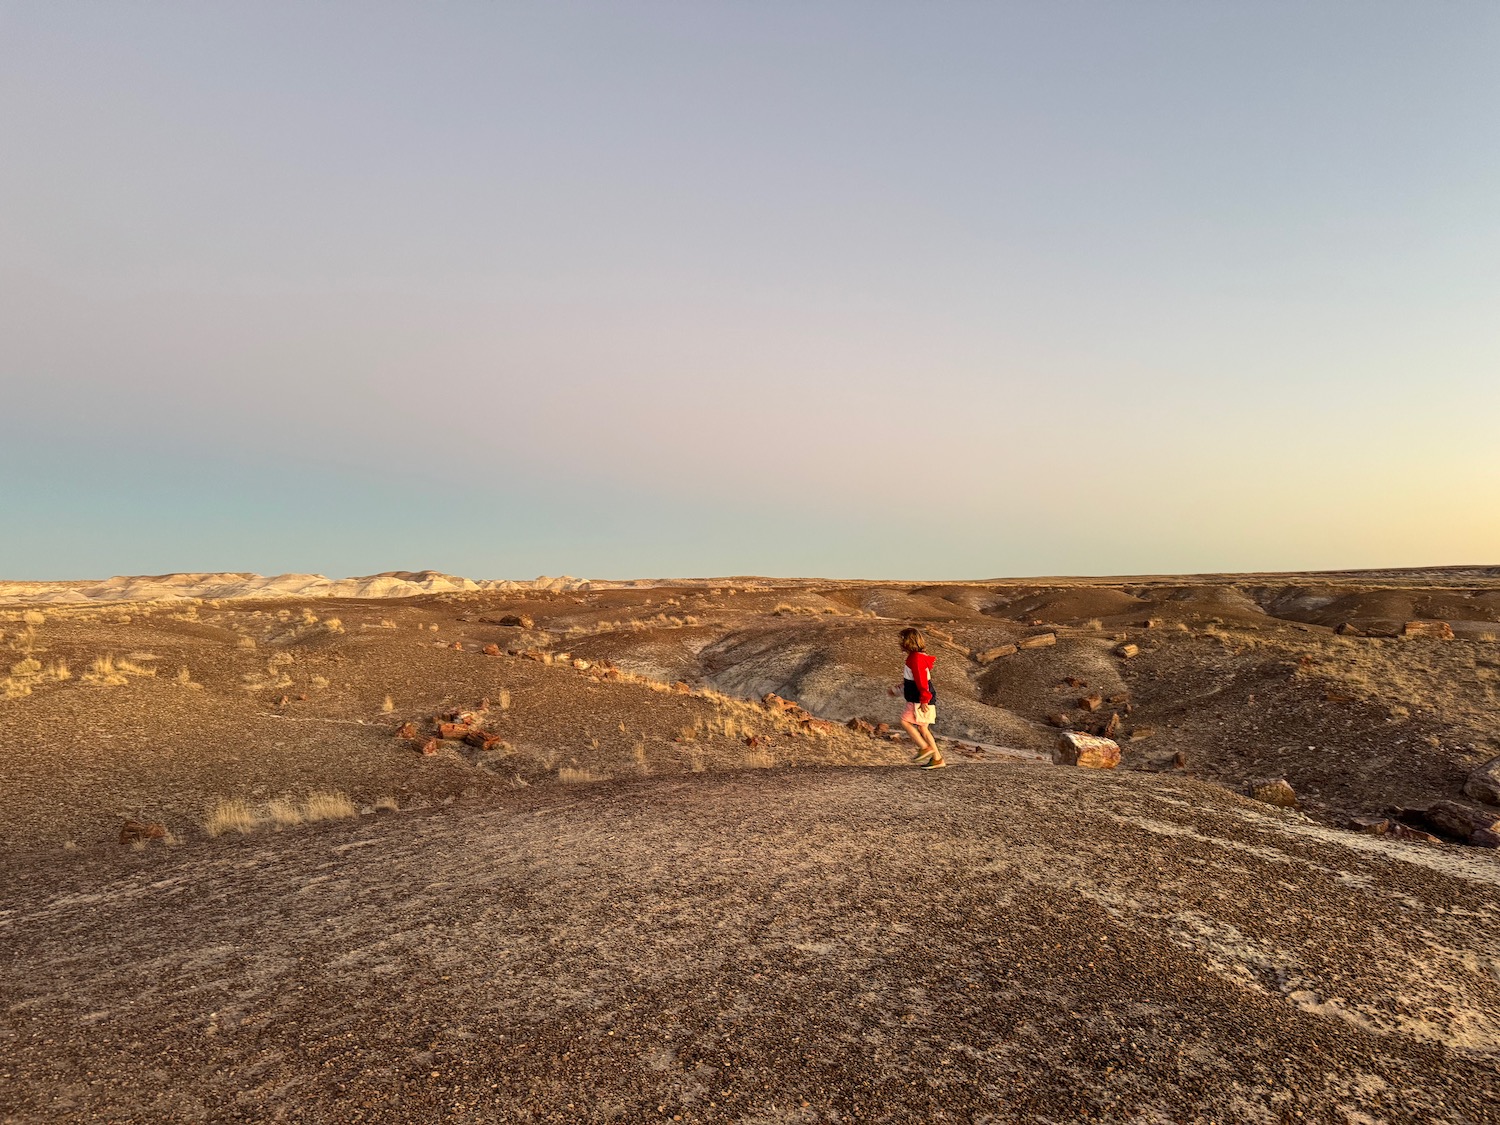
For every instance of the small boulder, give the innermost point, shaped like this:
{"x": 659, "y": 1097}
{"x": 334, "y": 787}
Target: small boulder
{"x": 1059, "y": 719}
{"x": 1349, "y": 629}
{"x": 429, "y": 747}
{"x": 516, "y": 621}
{"x": 1087, "y": 751}
{"x": 1075, "y": 682}
{"x": 860, "y": 726}
{"x": 136, "y": 831}
{"x": 1441, "y": 630}
{"x": 407, "y": 730}
{"x": 1041, "y": 641}
{"x": 1465, "y": 824}
{"x": 1092, "y": 702}
{"x": 1273, "y": 791}
{"x": 1126, "y": 651}
{"x": 992, "y": 654}
{"x": 492, "y": 650}
{"x": 1484, "y": 783}
{"x": 1179, "y": 759}
{"x": 1138, "y": 733}
{"x": 454, "y": 731}
{"x": 1112, "y": 727}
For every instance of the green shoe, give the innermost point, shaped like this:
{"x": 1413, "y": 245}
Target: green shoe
{"x": 936, "y": 764}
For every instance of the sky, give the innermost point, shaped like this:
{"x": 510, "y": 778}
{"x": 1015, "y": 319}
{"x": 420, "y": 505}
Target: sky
{"x": 647, "y": 289}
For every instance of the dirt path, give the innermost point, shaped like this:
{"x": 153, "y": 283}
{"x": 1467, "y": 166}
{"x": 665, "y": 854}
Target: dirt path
{"x": 1009, "y": 944}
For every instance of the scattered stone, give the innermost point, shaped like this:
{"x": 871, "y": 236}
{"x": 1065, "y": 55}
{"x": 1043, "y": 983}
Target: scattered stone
{"x": 516, "y": 621}
{"x": 133, "y": 831}
{"x": 454, "y": 731}
{"x": 1041, "y": 641}
{"x": 860, "y": 726}
{"x": 1465, "y": 824}
{"x": 1086, "y": 751}
{"x": 882, "y": 728}
{"x": 1126, "y": 651}
{"x": 581, "y": 664}
{"x": 991, "y": 654}
{"x": 457, "y": 646}
{"x": 1439, "y": 629}
{"x": 681, "y": 687}
{"x": 1112, "y": 727}
{"x": 1075, "y": 682}
{"x": 407, "y": 730}
{"x": 1120, "y": 698}
{"x": 429, "y": 747}
{"x": 1092, "y": 702}
{"x": 533, "y": 654}
{"x": 1484, "y": 783}
{"x": 1349, "y": 629}
{"x": 1139, "y": 733}
{"x": 492, "y": 650}
{"x": 1179, "y": 759}
{"x": 1059, "y": 719}
{"x": 1338, "y": 696}
{"x": 1273, "y": 791}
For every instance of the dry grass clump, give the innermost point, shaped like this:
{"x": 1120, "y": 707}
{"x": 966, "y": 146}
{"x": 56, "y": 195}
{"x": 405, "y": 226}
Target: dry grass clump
{"x": 571, "y": 775}
{"x": 110, "y": 671}
{"x": 246, "y": 642}
{"x": 386, "y": 804}
{"x": 234, "y": 815}
{"x": 231, "y": 815}
{"x": 388, "y": 705}
{"x": 33, "y": 617}
{"x": 328, "y": 804}
{"x": 284, "y": 812}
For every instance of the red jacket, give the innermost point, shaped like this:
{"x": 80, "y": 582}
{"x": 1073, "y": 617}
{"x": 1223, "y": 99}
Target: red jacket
{"x": 916, "y": 683}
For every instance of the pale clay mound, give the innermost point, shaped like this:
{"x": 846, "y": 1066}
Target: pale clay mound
{"x": 997, "y": 943}
{"x": 220, "y": 587}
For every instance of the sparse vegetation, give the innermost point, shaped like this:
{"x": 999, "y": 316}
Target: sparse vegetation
{"x": 230, "y": 815}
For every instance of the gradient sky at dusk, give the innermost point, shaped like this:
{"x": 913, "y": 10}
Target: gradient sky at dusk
{"x": 860, "y": 289}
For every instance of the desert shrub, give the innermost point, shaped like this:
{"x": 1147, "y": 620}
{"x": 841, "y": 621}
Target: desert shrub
{"x": 26, "y": 667}
{"x": 386, "y": 804}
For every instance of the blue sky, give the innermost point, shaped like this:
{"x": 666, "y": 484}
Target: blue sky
{"x": 925, "y": 290}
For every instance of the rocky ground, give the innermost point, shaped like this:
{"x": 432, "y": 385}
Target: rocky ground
{"x": 1005, "y": 942}
{"x": 625, "y": 888}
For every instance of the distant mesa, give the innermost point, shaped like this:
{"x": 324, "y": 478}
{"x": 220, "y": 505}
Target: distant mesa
{"x": 228, "y": 585}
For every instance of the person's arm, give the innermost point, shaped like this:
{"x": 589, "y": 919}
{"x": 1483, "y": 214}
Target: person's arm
{"x": 921, "y": 667}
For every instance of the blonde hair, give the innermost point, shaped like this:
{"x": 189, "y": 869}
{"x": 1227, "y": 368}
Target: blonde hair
{"x": 911, "y": 640}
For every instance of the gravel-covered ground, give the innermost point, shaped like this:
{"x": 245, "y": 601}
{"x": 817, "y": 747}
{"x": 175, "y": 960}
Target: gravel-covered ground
{"x": 992, "y": 943}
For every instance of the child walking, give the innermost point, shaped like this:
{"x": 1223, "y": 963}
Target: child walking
{"x": 921, "y": 700}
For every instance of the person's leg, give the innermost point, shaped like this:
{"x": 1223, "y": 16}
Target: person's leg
{"x": 916, "y": 736}
{"x": 931, "y": 743}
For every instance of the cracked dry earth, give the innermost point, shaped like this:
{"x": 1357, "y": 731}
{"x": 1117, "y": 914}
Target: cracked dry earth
{"x": 1000, "y": 942}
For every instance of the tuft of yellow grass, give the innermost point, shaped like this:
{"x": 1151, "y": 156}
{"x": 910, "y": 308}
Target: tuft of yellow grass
{"x": 328, "y": 804}
{"x": 33, "y": 617}
{"x": 57, "y": 671}
{"x": 246, "y": 642}
{"x": 387, "y": 804}
{"x": 572, "y": 776}
{"x": 388, "y": 706}
{"x": 27, "y": 667}
{"x": 284, "y": 812}
{"x": 231, "y": 815}
{"x": 503, "y": 699}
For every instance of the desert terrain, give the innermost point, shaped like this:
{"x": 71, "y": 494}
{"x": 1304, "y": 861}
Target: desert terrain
{"x": 413, "y": 847}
